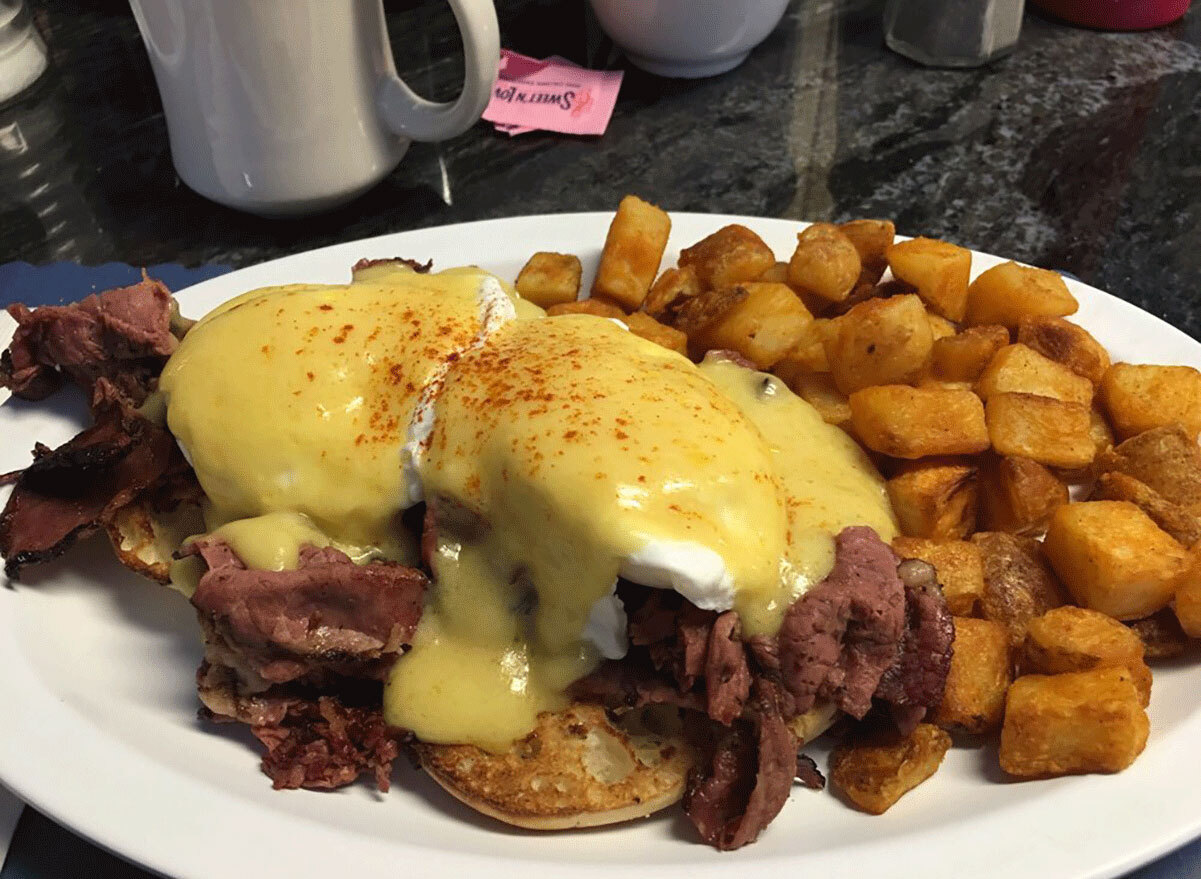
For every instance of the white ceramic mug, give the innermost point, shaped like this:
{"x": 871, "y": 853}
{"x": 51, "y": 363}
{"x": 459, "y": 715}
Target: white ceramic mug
{"x": 284, "y": 107}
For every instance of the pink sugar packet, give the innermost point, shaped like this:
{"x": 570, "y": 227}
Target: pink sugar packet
{"x": 551, "y": 95}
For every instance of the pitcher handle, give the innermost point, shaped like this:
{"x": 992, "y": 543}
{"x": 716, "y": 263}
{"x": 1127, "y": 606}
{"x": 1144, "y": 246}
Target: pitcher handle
{"x": 408, "y": 114}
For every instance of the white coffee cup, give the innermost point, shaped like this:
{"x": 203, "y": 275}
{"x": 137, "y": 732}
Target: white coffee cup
{"x": 284, "y": 107}
{"x": 688, "y": 38}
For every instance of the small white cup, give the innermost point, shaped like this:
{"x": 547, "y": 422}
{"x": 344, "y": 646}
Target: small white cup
{"x": 285, "y": 107}
{"x": 688, "y": 38}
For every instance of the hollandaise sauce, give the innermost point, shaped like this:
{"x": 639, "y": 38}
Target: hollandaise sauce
{"x": 292, "y": 405}
{"x": 579, "y": 446}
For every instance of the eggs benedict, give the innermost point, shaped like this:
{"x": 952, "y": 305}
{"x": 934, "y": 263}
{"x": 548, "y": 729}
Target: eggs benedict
{"x": 428, "y": 507}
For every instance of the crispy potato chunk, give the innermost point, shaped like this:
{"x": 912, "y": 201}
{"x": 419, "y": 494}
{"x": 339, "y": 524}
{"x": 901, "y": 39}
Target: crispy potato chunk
{"x": 1090, "y": 721}
{"x": 698, "y": 313}
{"x": 1009, "y": 292}
{"x": 729, "y": 256}
{"x": 981, "y": 672}
{"x": 818, "y": 390}
{"x": 763, "y": 327}
{"x": 825, "y": 263}
{"x": 550, "y": 278}
{"x": 1019, "y": 495}
{"x": 938, "y": 269}
{"x": 633, "y": 249}
{"x": 871, "y": 238}
{"x": 1018, "y": 586}
{"x": 1070, "y": 639}
{"x": 1187, "y": 604}
{"x": 1022, "y": 370}
{"x": 959, "y": 565}
{"x": 936, "y": 499}
{"x": 809, "y": 353}
{"x": 670, "y": 290}
{"x": 1113, "y": 558}
{"x": 940, "y": 327}
{"x": 1049, "y": 431}
{"x": 596, "y": 307}
{"x": 876, "y": 772}
{"x": 777, "y": 273}
{"x": 880, "y": 342}
{"x": 1183, "y": 525}
{"x": 1066, "y": 343}
{"x": 642, "y": 324}
{"x": 1166, "y": 459}
{"x": 963, "y": 356}
{"x": 1162, "y": 636}
{"x": 907, "y": 422}
{"x": 1139, "y": 397}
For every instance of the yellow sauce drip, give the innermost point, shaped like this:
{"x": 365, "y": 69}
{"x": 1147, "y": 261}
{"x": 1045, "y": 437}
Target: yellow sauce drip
{"x": 827, "y": 481}
{"x": 578, "y": 444}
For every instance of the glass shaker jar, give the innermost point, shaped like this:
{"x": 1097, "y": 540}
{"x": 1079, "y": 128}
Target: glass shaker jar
{"x": 953, "y": 33}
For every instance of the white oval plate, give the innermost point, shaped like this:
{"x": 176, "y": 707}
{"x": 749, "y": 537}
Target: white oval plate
{"x": 98, "y": 709}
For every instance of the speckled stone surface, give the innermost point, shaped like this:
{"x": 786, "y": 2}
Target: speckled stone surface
{"x": 1081, "y": 151}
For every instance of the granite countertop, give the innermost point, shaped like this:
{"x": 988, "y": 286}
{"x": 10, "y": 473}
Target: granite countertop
{"x": 1080, "y": 152}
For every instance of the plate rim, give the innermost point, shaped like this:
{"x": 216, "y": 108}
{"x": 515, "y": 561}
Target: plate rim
{"x": 37, "y": 785}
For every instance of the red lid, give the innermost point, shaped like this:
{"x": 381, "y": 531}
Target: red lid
{"x": 1116, "y": 15}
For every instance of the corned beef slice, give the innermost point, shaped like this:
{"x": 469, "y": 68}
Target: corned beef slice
{"x": 69, "y": 492}
{"x": 123, "y": 335}
{"x": 328, "y": 610}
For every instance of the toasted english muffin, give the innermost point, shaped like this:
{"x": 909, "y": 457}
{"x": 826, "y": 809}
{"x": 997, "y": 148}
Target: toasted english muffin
{"x": 808, "y": 726}
{"x": 578, "y": 768}
{"x": 145, "y": 539}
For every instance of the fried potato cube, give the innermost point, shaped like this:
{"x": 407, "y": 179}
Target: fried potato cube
{"x": 1049, "y": 431}
{"x": 763, "y": 327}
{"x": 1018, "y": 585}
{"x": 1066, "y": 343}
{"x": 1009, "y": 292}
{"x": 880, "y": 342}
{"x": 1089, "y": 721}
{"x": 818, "y": 390}
{"x": 698, "y": 313}
{"x": 670, "y": 290}
{"x": 825, "y": 263}
{"x": 1166, "y": 459}
{"x": 938, "y": 269}
{"x": 1113, "y": 558}
{"x": 876, "y": 772}
{"x": 1187, "y": 604}
{"x": 642, "y": 324}
{"x": 550, "y": 278}
{"x": 937, "y": 499}
{"x": 963, "y": 356}
{"x": 1139, "y": 397}
{"x": 1019, "y": 495}
{"x": 981, "y": 672}
{"x": 907, "y": 422}
{"x": 1162, "y": 636}
{"x": 1183, "y": 525}
{"x": 777, "y": 273}
{"x": 871, "y": 238}
{"x": 1022, "y": 370}
{"x": 1071, "y": 639}
{"x": 959, "y": 565}
{"x": 632, "y": 252}
{"x": 730, "y": 255}
{"x": 940, "y": 327}
{"x": 809, "y": 353}
{"x": 595, "y": 307}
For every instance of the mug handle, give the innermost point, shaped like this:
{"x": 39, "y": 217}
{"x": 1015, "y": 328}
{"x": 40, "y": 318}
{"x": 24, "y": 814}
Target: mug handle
{"x": 409, "y": 115}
